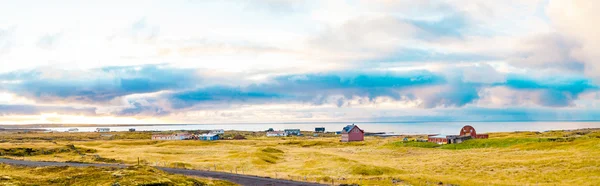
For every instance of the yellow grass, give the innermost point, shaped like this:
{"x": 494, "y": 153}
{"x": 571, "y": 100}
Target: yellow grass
{"x": 135, "y": 175}
{"x": 518, "y": 158}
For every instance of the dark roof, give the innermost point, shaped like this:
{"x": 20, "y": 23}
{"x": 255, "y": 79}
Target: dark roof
{"x": 349, "y": 127}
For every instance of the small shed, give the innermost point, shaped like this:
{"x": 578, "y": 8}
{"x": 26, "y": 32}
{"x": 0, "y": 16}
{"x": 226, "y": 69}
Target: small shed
{"x": 352, "y": 133}
{"x": 319, "y": 129}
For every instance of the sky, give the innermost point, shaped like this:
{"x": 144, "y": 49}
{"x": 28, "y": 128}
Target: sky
{"x": 253, "y": 61}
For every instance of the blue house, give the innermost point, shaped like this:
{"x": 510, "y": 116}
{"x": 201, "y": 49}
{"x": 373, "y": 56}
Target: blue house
{"x": 208, "y": 137}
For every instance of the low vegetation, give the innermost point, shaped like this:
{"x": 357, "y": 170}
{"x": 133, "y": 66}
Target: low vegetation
{"x": 109, "y": 176}
{"x": 512, "y": 158}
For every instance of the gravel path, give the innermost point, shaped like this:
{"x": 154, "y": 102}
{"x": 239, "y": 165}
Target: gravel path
{"x": 237, "y": 178}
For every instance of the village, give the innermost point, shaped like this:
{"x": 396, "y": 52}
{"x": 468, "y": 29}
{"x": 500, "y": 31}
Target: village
{"x": 349, "y": 133}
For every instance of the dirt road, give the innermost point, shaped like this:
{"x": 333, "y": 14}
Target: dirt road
{"x": 237, "y": 178}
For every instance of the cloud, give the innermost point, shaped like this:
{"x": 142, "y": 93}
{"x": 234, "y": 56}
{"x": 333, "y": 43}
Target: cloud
{"x": 7, "y": 39}
{"x": 574, "y": 21}
{"x": 548, "y": 51}
{"x": 49, "y": 41}
{"x": 6, "y": 110}
{"x": 96, "y": 85}
{"x": 138, "y": 109}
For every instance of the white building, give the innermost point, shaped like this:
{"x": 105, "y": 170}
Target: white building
{"x": 102, "y": 129}
{"x": 179, "y": 136}
{"x": 218, "y": 131}
{"x": 276, "y": 133}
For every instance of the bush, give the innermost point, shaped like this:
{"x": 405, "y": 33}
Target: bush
{"x": 271, "y": 150}
{"x": 367, "y": 170}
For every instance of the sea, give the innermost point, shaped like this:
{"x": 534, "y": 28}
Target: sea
{"x": 407, "y": 128}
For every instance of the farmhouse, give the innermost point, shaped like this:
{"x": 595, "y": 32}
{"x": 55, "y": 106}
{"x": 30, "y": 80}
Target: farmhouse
{"x": 208, "y": 137}
{"x": 276, "y": 133}
{"x": 466, "y": 133}
{"x": 320, "y": 129}
{"x": 102, "y": 129}
{"x": 178, "y": 136}
{"x": 352, "y": 133}
{"x": 290, "y": 132}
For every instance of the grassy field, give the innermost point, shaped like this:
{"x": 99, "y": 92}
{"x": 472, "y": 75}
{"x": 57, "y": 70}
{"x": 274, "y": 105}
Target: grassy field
{"x": 517, "y": 158}
{"x": 134, "y": 175}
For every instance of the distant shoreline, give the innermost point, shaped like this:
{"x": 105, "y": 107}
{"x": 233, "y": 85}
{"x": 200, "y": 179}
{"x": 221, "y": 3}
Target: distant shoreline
{"x": 26, "y": 126}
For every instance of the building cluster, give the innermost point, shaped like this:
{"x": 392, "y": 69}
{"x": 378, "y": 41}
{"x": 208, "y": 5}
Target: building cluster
{"x": 210, "y": 136}
{"x": 285, "y": 132}
{"x": 466, "y": 133}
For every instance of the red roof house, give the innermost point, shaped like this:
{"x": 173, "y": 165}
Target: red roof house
{"x": 352, "y": 133}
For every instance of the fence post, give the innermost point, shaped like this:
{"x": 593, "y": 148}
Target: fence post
{"x": 138, "y": 160}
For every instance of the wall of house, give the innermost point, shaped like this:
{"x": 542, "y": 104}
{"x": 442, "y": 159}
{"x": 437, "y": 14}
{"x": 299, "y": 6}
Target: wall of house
{"x": 344, "y": 137}
{"x": 438, "y": 140}
{"x": 356, "y": 135}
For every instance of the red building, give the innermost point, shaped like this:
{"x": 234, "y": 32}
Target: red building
{"x": 466, "y": 133}
{"x": 352, "y": 133}
{"x": 467, "y": 130}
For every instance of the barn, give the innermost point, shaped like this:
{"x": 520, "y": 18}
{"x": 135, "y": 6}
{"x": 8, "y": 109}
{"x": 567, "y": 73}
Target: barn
{"x": 352, "y": 133}
{"x": 466, "y": 133}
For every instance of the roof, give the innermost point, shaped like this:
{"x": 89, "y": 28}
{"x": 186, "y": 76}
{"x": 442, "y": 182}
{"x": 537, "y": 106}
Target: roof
{"x": 347, "y": 128}
{"x": 438, "y": 136}
{"x": 208, "y": 135}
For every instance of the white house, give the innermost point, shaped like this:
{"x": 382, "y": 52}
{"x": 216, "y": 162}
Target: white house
{"x": 276, "y": 133}
{"x": 102, "y": 129}
{"x": 179, "y": 136}
{"x": 218, "y": 131}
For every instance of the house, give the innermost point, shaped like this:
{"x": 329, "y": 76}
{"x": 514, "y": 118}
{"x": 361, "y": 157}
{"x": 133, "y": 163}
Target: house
{"x": 73, "y": 130}
{"x": 218, "y": 131}
{"x": 290, "y": 132}
{"x": 320, "y": 129}
{"x": 178, "y": 136}
{"x": 466, "y": 133}
{"x": 102, "y": 129}
{"x": 208, "y": 137}
{"x": 131, "y": 129}
{"x": 276, "y": 134}
{"x": 352, "y": 133}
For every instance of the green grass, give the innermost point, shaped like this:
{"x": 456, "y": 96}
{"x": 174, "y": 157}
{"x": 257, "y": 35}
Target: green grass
{"x": 493, "y": 143}
{"x": 508, "y": 158}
